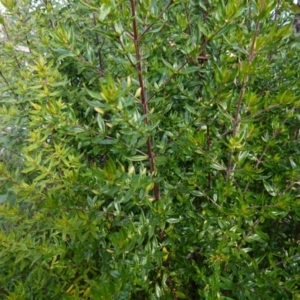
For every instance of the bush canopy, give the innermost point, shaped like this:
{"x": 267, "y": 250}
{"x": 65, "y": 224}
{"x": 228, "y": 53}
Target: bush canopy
{"x": 149, "y": 150}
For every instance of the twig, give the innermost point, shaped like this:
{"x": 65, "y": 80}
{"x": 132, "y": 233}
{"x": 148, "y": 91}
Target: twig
{"x": 162, "y": 12}
{"x": 250, "y": 231}
{"x": 8, "y": 38}
{"x": 98, "y": 50}
{"x": 236, "y": 120}
{"x": 259, "y": 161}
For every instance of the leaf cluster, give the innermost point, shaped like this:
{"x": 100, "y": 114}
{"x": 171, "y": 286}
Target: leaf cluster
{"x": 149, "y": 150}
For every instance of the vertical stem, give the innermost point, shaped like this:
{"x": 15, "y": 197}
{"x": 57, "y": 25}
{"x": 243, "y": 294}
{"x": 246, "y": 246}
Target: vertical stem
{"x": 51, "y": 23}
{"x": 144, "y": 104}
{"x": 236, "y": 120}
{"x": 7, "y": 83}
{"x": 9, "y": 39}
{"x": 235, "y": 125}
{"x": 188, "y": 19}
{"x": 98, "y": 50}
{"x": 11, "y": 88}
{"x": 143, "y": 95}
{"x": 276, "y": 10}
{"x": 208, "y": 141}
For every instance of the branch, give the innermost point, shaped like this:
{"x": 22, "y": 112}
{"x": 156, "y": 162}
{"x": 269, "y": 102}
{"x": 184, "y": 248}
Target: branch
{"x": 163, "y": 11}
{"x": 235, "y": 125}
{"x": 143, "y": 96}
{"x": 259, "y": 161}
{"x": 98, "y": 50}
{"x": 236, "y": 120}
{"x": 256, "y": 223}
{"x": 9, "y": 86}
{"x": 8, "y": 38}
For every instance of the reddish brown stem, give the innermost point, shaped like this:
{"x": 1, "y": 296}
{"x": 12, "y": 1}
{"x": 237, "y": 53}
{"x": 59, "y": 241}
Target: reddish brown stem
{"x": 101, "y": 68}
{"x": 143, "y": 95}
{"x": 208, "y": 141}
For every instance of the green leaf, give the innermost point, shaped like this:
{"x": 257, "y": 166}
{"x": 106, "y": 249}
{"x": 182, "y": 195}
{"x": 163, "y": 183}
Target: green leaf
{"x": 3, "y": 197}
{"x": 104, "y": 11}
{"x": 138, "y": 157}
{"x": 110, "y": 169}
{"x": 9, "y": 4}
{"x": 190, "y": 109}
{"x": 197, "y": 193}
{"x": 95, "y": 95}
{"x": 189, "y": 70}
{"x": 75, "y": 129}
{"x": 100, "y": 123}
{"x": 115, "y": 273}
{"x": 269, "y": 188}
{"x": 173, "y": 220}
{"x": 167, "y": 64}
{"x": 219, "y": 167}
{"x": 157, "y": 290}
{"x": 180, "y": 295}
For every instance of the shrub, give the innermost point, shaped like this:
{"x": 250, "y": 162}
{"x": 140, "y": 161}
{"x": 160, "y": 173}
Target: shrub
{"x": 150, "y": 150}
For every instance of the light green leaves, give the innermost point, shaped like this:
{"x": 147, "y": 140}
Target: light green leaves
{"x": 138, "y": 157}
{"x": 9, "y": 4}
{"x": 110, "y": 170}
{"x": 269, "y": 188}
{"x": 104, "y": 11}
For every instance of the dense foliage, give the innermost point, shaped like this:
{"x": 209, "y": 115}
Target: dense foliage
{"x": 149, "y": 150}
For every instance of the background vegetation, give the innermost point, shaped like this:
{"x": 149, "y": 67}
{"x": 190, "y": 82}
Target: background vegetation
{"x": 149, "y": 150}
